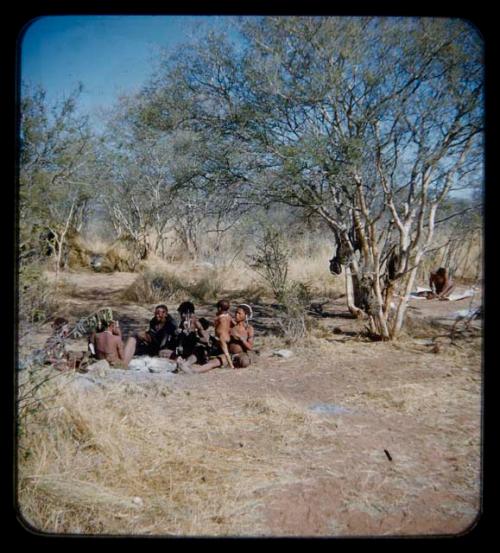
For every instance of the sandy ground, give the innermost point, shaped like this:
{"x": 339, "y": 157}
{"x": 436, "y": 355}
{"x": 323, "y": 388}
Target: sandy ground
{"x": 393, "y": 446}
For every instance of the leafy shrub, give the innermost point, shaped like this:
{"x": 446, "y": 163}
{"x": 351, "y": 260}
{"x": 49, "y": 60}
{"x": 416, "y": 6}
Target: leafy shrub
{"x": 271, "y": 262}
{"x": 292, "y": 321}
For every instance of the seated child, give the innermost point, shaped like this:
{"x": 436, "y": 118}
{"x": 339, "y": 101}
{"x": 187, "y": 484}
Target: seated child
{"x": 222, "y": 324}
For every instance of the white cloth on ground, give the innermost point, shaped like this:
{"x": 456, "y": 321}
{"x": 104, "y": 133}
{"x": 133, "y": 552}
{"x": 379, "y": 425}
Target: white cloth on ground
{"x": 151, "y": 364}
{"x": 455, "y": 296}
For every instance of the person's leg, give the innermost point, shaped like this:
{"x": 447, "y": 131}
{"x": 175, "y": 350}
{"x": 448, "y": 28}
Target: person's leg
{"x": 202, "y": 353}
{"x": 225, "y": 349}
{"x": 213, "y": 364}
{"x": 129, "y": 350}
{"x": 185, "y": 365}
{"x": 448, "y": 290}
{"x": 223, "y": 334}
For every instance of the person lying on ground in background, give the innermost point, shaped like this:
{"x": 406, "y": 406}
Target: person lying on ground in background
{"x": 159, "y": 336}
{"x": 441, "y": 285}
{"x": 240, "y": 345}
{"x": 108, "y": 343}
{"x": 192, "y": 338}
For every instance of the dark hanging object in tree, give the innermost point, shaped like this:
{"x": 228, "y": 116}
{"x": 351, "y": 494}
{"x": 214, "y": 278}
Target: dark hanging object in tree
{"x": 344, "y": 254}
{"x": 392, "y": 264}
{"x": 335, "y": 266}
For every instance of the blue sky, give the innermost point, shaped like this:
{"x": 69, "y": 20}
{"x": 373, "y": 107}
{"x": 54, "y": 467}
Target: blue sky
{"x": 110, "y": 55}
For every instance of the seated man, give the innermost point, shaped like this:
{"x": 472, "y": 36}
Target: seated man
{"x": 159, "y": 336}
{"x": 192, "y": 338}
{"x": 441, "y": 285}
{"x": 240, "y": 345}
{"x": 108, "y": 344}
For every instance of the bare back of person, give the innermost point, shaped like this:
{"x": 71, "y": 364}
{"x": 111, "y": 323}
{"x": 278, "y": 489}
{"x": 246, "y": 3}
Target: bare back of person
{"x": 109, "y": 346}
{"x": 222, "y": 326}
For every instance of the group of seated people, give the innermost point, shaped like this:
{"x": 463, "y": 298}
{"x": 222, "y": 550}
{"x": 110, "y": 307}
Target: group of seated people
{"x": 188, "y": 343}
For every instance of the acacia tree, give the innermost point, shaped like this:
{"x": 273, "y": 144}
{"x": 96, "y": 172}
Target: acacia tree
{"x": 365, "y": 123}
{"x": 373, "y": 122}
{"x": 137, "y": 192}
{"x": 56, "y": 177}
{"x": 159, "y": 147}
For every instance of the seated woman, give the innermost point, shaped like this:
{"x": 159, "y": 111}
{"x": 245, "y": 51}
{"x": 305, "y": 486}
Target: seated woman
{"x": 240, "y": 345}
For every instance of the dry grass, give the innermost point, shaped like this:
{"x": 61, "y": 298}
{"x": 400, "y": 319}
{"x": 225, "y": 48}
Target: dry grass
{"x": 156, "y": 286}
{"x": 309, "y": 265}
{"x": 413, "y": 398}
{"x": 464, "y": 262}
{"x": 93, "y": 243}
{"x": 154, "y": 461}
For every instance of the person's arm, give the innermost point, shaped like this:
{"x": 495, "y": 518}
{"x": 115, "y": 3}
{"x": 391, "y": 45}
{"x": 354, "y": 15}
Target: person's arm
{"x": 119, "y": 349}
{"x": 149, "y": 335}
{"x": 143, "y": 336}
{"x": 202, "y": 333}
{"x": 447, "y": 288}
{"x": 91, "y": 343}
{"x": 248, "y": 343}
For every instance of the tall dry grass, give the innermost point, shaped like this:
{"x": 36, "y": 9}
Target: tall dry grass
{"x": 463, "y": 258}
{"x": 156, "y": 285}
{"x": 130, "y": 459}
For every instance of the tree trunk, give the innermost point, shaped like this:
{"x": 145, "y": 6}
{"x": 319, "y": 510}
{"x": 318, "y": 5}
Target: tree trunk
{"x": 59, "y": 249}
{"x": 403, "y": 303}
{"x": 350, "y": 285}
{"x": 380, "y": 318}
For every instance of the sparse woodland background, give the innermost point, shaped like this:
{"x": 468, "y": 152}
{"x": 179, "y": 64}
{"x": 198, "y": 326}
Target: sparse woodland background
{"x": 346, "y": 134}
